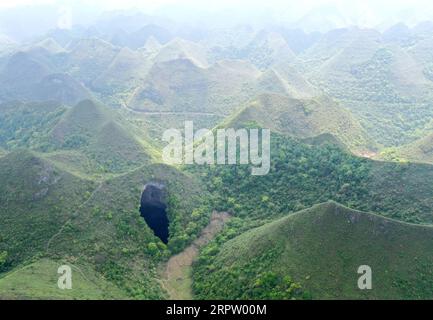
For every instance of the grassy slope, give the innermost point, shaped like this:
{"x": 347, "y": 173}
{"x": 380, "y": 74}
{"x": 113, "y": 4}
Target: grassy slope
{"x": 322, "y": 248}
{"x": 54, "y": 207}
{"x": 420, "y": 150}
{"x": 103, "y": 138}
{"x": 180, "y": 85}
{"x": 303, "y": 119}
{"x": 38, "y": 280}
{"x": 88, "y": 139}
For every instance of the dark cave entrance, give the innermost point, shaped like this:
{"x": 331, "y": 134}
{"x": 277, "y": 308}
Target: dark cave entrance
{"x": 153, "y": 210}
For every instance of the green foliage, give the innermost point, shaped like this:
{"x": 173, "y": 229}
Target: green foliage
{"x": 3, "y": 258}
{"x": 38, "y": 280}
{"x": 302, "y": 175}
{"x": 28, "y": 125}
{"x": 249, "y": 281}
{"x": 315, "y": 253}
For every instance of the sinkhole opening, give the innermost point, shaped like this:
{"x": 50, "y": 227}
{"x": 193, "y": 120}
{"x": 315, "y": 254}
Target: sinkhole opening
{"x": 153, "y": 210}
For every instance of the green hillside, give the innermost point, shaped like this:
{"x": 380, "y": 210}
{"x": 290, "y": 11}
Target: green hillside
{"x": 84, "y": 119}
{"x": 266, "y": 49}
{"x": 85, "y": 105}
{"x": 38, "y": 280}
{"x": 420, "y": 150}
{"x": 386, "y": 86}
{"x": 88, "y": 58}
{"x": 28, "y": 124}
{"x": 339, "y": 48}
{"x": 285, "y": 79}
{"x": 60, "y": 87}
{"x": 102, "y": 135}
{"x": 37, "y": 200}
{"x": 89, "y": 138}
{"x": 182, "y": 49}
{"x": 124, "y": 73}
{"x": 302, "y": 175}
{"x": 50, "y": 213}
{"x": 182, "y": 85}
{"x": 315, "y": 254}
{"x": 303, "y": 118}
{"x": 22, "y": 70}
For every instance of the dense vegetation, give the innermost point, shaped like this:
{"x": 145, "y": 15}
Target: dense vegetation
{"x": 97, "y": 224}
{"x": 316, "y": 253}
{"x": 28, "y": 125}
{"x": 302, "y": 175}
{"x": 72, "y": 170}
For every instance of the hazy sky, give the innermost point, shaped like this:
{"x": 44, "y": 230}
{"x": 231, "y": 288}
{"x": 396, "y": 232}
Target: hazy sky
{"x": 309, "y": 13}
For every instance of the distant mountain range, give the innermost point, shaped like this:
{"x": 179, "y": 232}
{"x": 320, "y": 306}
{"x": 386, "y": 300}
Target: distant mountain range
{"x": 82, "y": 112}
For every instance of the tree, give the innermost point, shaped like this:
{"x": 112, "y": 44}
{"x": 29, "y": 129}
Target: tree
{"x": 3, "y": 258}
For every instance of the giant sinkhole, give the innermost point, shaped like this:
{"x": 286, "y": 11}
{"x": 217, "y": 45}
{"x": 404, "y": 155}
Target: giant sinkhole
{"x": 153, "y": 209}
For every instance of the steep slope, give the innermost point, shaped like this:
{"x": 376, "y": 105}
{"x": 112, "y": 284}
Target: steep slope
{"x": 86, "y": 118}
{"x": 112, "y": 144}
{"x": 266, "y": 49}
{"x": 115, "y": 149}
{"x": 88, "y": 58}
{"x": 124, "y": 73}
{"x": 28, "y": 125}
{"x": 355, "y": 46}
{"x": 138, "y": 38}
{"x": 20, "y": 74}
{"x": 182, "y": 86}
{"x": 50, "y": 45}
{"x": 286, "y": 80}
{"x": 174, "y": 84}
{"x": 35, "y": 75}
{"x": 88, "y": 138}
{"x": 339, "y": 48}
{"x": 151, "y": 46}
{"x": 301, "y": 175}
{"x": 375, "y": 79}
{"x": 23, "y": 68}
{"x": 399, "y": 33}
{"x": 420, "y": 150}
{"x": 316, "y": 253}
{"x": 37, "y": 199}
{"x": 398, "y": 76}
{"x": 303, "y": 118}
{"x": 179, "y": 49}
{"x": 59, "y": 87}
{"x": 95, "y": 226}
{"x": 38, "y": 280}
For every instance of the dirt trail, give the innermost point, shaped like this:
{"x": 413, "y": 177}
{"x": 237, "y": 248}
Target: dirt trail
{"x": 176, "y": 275}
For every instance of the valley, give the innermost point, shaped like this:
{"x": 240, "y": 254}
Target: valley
{"x": 177, "y": 272}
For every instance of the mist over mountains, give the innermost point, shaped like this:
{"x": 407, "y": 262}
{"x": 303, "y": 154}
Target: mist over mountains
{"x": 22, "y": 20}
{"x": 86, "y": 96}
